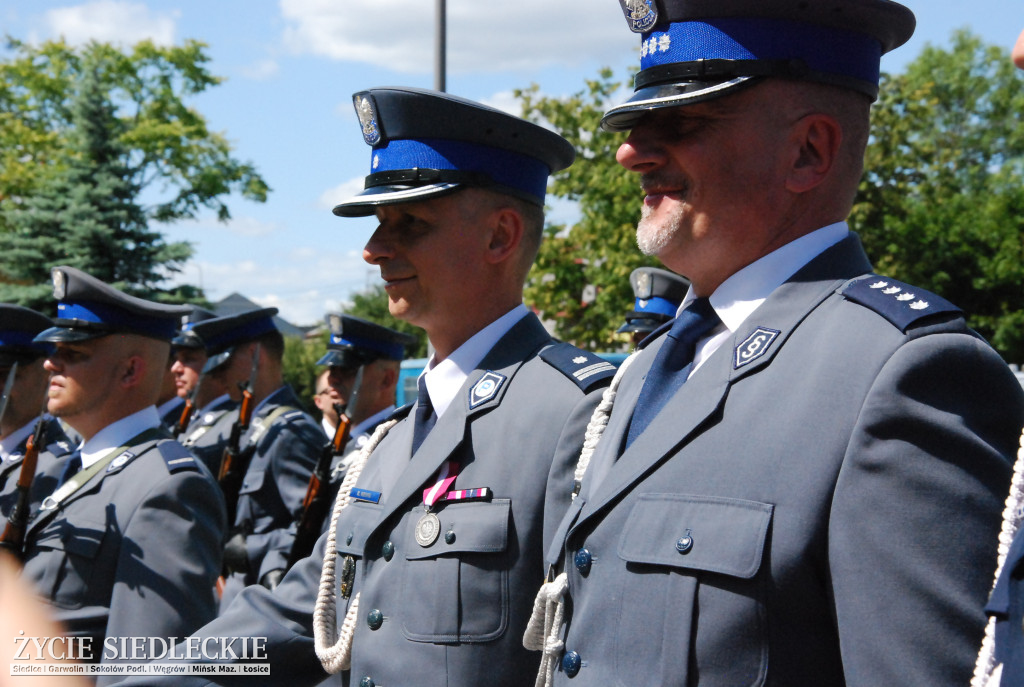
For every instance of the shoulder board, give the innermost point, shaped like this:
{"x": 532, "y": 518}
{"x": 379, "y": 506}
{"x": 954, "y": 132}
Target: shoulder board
{"x": 398, "y": 413}
{"x": 587, "y": 370}
{"x": 901, "y": 304}
{"x": 177, "y": 457}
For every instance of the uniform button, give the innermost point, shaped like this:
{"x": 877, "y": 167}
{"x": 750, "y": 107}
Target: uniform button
{"x": 375, "y": 619}
{"x": 367, "y": 682}
{"x": 571, "y": 664}
{"x": 684, "y": 544}
{"x": 388, "y": 550}
{"x": 449, "y": 537}
{"x": 582, "y": 560}
{"x": 348, "y": 539}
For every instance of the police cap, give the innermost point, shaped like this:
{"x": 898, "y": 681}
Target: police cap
{"x": 658, "y": 294}
{"x": 427, "y": 143}
{"x": 221, "y": 335}
{"x": 88, "y": 308}
{"x": 18, "y": 327}
{"x": 696, "y": 50}
{"x": 186, "y": 338}
{"x": 356, "y": 342}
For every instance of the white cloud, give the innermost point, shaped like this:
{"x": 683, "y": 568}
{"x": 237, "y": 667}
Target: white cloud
{"x": 480, "y": 38}
{"x": 505, "y": 101}
{"x": 251, "y": 227}
{"x": 112, "y": 21}
{"x": 343, "y": 191}
{"x": 261, "y": 70}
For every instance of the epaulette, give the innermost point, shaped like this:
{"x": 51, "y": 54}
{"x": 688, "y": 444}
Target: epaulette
{"x": 587, "y": 370}
{"x": 399, "y": 413}
{"x": 177, "y": 457}
{"x": 901, "y": 304}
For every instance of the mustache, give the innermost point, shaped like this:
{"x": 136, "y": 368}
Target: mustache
{"x": 653, "y": 182}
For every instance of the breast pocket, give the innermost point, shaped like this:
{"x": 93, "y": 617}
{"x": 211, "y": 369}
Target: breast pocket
{"x": 64, "y": 563}
{"x": 464, "y": 572}
{"x": 694, "y": 564}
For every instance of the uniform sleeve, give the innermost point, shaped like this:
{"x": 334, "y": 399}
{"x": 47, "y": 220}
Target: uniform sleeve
{"x": 916, "y": 512}
{"x": 169, "y": 560}
{"x": 295, "y": 451}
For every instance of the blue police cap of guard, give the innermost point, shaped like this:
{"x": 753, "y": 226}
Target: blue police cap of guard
{"x": 356, "y": 342}
{"x": 19, "y": 327}
{"x": 658, "y": 294}
{"x": 221, "y": 335}
{"x": 88, "y": 308}
{"x": 427, "y": 143}
{"x": 186, "y": 338}
{"x": 696, "y": 50}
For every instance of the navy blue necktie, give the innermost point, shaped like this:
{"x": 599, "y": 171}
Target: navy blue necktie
{"x": 71, "y": 467}
{"x": 672, "y": 365}
{"x": 425, "y": 416}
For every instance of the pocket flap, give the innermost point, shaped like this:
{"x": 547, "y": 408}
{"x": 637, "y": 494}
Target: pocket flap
{"x": 252, "y": 482}
{"x": 355, "y": 525}
{"x": 720, "y": 535}
{"x": 474, "y": 526}
{"x": 82, "y": 539}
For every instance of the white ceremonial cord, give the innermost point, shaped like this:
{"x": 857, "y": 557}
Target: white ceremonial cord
{"x": 335, "y": 652}
{"x": 544, "y": 629}
{"x": 986, "y": 673}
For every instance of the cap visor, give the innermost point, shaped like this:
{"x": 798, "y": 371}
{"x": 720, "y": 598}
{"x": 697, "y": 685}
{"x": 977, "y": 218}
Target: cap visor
{"x": 367, "y": 201}
{"x": 625, "y": 116}
{"x": 215, "y": 361}
{"x": 69, "y": 334}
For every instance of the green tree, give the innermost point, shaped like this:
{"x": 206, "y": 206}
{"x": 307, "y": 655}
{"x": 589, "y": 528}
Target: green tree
{"x": 581, "y": 277}
{"x": 299, "y": 368}
{"x": 85, "y": 214}
{"x": 941, "y": 204}
{"x": 372, "y": 305}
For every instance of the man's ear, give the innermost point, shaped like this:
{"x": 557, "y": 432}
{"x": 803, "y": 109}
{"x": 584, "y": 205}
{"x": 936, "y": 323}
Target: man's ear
{"x": 818, "y": 138}
{"x": 506, "y": 234}
{"x": 134, "y": 370}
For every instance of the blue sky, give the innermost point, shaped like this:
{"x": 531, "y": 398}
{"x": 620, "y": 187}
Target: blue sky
{"x": 292, "y": 65}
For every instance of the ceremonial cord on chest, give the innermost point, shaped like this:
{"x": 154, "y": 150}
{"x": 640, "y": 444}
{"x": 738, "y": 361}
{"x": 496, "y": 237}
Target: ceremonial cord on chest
{"x": 545, "y": 627}
{"x": 334, "y": 650}
{"x": 1013, "y": 514}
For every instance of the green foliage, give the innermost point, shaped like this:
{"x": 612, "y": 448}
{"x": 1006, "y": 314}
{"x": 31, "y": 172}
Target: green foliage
{"x": 298, "y": 365}
{"x": 600, "y": 249}
{"x": 85, "y": 213}
{"x": 372, "y": 305}
{"x": 941, "y": 204}
{"x": 169, "y": 150}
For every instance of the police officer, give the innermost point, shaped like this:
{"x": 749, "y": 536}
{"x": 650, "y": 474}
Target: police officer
{"x": 658, "y": 294}
{"x": 277, "y": 451}
{"x": 363, "y": 360}
{"x": 433, "y": 557}
{"x": 25, "y": 386}
{"x": 129, "y": 543}
{"x": 211, "y": 410}
{"x": 814, "y": 504}
{"x": 1001, "y": 659}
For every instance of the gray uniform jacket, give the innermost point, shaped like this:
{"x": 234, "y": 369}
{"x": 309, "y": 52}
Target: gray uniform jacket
{"x": 136, "y": 551}
{"x": 452, "y": 613}
{"x": 270, "y": 500}
{"x": 208, "y": 432}
{"x": 816, "y": 506}
{"x": 55, "y": 446}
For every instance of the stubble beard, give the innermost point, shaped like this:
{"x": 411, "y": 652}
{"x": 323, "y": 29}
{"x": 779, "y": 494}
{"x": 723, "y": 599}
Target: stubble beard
{"x": 654, "y": 235}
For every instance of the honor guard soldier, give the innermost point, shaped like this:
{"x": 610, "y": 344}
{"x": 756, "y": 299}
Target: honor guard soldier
{"x": 22, "y": 404}
{"x": 1001, "y": 659}
{"x": 205, "y": 423}
{"x": 814, "y": 504}
{"x": 268, "y": 470}
{"x": 363, "y": 360}
{"x": 129, "y": 542}
{"x": 658, "y": 294}
{"x": 438, "y": 533}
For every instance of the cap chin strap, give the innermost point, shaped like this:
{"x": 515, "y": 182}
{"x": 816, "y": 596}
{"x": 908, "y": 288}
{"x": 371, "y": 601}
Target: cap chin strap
{"x": 418, "y": 176}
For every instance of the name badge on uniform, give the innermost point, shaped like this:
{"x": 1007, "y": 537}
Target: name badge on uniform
{"x": 364, "y": 495}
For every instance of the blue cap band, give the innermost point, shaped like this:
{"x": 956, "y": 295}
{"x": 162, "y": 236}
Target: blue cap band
{"x": 504, "y": 167}
{"x": 117, "y": 319}
{"x": 662, "y": 306}
{"x": 394, "y": 351}
{"x": 821, "y": 48}
{"x": 17, "y": 339}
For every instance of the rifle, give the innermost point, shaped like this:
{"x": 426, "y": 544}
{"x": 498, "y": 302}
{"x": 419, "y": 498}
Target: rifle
{"x": 233, "y": 463}
{"x": 13, "y": 537}
{"x": 8, "y": 385}
{"x": 186, "y": 412}
{"x": 317, "y": 503}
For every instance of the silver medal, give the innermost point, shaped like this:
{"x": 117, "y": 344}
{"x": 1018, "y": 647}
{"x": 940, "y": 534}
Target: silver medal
{"x": 428, "y": 527}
